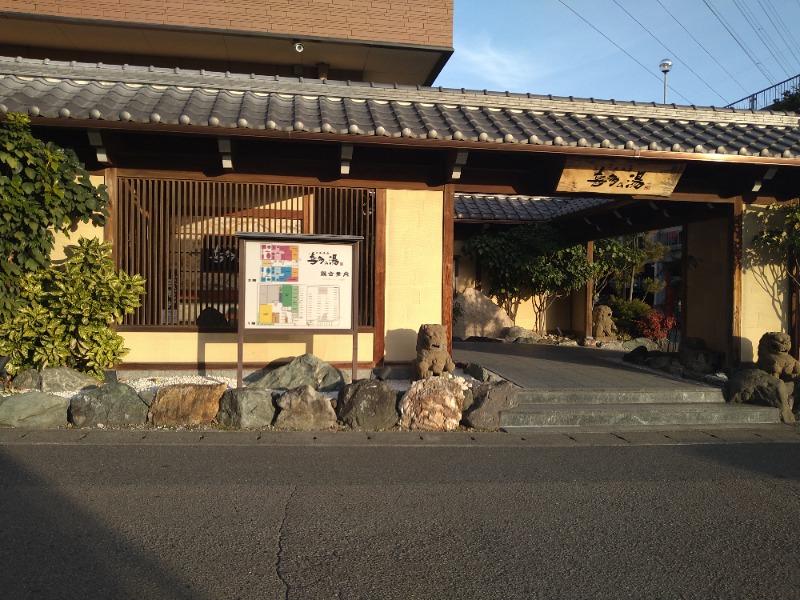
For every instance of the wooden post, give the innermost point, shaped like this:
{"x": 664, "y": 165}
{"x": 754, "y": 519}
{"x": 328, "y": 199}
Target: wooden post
{"x": 587, "y": 320}
{"x": 448, "y": 218}
{"x": 734, "y": 354}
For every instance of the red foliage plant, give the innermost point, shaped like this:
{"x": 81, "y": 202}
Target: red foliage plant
{"x": 656, "y": 325}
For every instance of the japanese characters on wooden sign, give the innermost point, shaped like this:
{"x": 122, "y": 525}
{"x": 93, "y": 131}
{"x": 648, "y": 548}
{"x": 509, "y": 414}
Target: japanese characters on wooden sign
{"x": 609, "y": 176}
{"x": 296, "y": 285}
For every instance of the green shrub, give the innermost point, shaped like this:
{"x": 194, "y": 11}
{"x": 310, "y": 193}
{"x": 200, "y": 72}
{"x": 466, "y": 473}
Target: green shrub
{"x": 627, "y": 315}
{"x": 66, "y": 313}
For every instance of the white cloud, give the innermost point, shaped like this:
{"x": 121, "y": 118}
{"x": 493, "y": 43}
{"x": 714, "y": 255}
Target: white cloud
{"x": 479, "y": 62}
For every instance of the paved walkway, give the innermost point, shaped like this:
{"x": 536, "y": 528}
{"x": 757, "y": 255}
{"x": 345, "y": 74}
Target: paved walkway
{"x": 541, "y": 366}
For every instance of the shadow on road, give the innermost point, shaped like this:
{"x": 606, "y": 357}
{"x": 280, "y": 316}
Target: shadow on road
{"x": 53, "y": 548}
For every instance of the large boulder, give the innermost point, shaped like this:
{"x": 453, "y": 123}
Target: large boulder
{"x": 64, "y": 379}
{"x": 433, "y": 404}
{"x": 33, "y": 409}
{"x": 480, "y": 373}
{"x": 305, "y": 409}
{"x": 367, "y": 404}
{"x": 695, "y": 356}
{"x": 246, "y": 408}
{"x": 480, "y": 316}
{"x": 754, "y": 386}
{"x": 490, "y": 400}
{"x": 635, "y": 343}
{"x": 303, "y": 370}
{"x": 186, "y": 404}
{"x": 112, "y": 404}
{"x": 29, "y": 379}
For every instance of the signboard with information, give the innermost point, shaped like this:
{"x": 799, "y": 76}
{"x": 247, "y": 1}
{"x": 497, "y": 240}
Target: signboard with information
{"x": 297, "y": 285}
{"x": 304, "y": 283}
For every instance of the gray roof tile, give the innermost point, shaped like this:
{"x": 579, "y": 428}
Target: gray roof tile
{"x": 60, "y": 90}
{"x": 472, "y": 207}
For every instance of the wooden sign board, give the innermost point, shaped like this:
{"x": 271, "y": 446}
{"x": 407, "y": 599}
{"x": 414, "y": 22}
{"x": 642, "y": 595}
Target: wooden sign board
{"x": 609, "y": 176}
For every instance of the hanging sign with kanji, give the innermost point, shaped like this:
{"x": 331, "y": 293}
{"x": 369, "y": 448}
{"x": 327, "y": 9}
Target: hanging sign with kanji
{"x": 609, "y": 176}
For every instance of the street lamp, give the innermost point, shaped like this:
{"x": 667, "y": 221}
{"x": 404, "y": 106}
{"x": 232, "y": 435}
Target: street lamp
{"x": 665, "y": 66}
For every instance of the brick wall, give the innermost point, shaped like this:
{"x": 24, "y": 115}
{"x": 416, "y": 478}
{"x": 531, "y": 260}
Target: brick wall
{"x": 418, "y": 22}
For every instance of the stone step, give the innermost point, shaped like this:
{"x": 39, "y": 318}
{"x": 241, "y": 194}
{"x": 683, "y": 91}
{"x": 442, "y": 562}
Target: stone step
{"x": 617, "y": 396}
{"x": 635, "y": 415}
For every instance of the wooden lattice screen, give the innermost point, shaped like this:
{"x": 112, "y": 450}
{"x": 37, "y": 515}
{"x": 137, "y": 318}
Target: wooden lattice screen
{"x": 179, "y": 235}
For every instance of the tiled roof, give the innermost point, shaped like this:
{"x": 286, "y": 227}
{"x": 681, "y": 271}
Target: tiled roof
{"x": 519, "y": 208}
{"x": 225, "y": 101}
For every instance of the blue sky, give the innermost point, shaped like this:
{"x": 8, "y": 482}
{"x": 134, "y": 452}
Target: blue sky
{"x": 722, "y": 50}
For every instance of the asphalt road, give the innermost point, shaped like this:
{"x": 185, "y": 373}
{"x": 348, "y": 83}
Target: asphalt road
{"x": 128, "y": 516}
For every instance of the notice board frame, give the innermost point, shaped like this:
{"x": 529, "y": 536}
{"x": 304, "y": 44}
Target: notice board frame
{"x": 304, "y": 239}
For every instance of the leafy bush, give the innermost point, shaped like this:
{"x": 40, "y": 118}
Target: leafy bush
{"x": 656, "y": 325}
{"x": 43, "y": 189}
{"x": 66, "y": 313}
{"x": 628, "y": 314}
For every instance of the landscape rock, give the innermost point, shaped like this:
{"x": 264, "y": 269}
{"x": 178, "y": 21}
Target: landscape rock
{"x": 489, "y": 401}
{"x": 29, "y": 379}
{"x": 112, "y": 404}
{"x": 186, "y": 404}
{"x": 754, "y": 386}
{"x": 367, "y": 404}
{"x": 478, "y": 372}
{"x": 637, "y": 355}
{"x": 305, "y": 409}
{"x": 33, "y": 409}
{"x": 303, "y": 370}
{"x": 611, "y": 345}
{"x": 433, "y": 404}
{"x": 631, "y": 344}
{"x": 695, "y": 356}
{"x": 246, "y": 408}
{"x": 64, "y": 379}
{"x": 480, "y": 316}
{"x": 527, "y": 340}
{"x": 512, "y": 334}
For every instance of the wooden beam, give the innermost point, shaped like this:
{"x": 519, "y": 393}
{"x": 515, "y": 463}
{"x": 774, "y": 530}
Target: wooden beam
{"x": 589, "y": 303}
{"x": 379, "y": 341}
{"x": 447, "y": 263}
{"x": 734, "y": 354}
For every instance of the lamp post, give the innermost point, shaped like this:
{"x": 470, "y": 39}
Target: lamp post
{"x": 665, "y": 66}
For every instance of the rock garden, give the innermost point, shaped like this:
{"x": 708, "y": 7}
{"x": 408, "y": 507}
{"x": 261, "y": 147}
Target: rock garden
{"x": 305, "y": 395}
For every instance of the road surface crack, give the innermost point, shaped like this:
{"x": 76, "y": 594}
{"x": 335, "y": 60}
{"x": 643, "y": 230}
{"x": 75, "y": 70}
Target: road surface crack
{"x": 279, "y": 557}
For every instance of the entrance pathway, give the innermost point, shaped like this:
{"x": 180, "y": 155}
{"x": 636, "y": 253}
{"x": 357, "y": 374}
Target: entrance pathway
{"x": 541, "y": 366}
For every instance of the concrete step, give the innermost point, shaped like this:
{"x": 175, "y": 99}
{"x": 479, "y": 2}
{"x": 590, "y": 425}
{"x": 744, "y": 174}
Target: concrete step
{"x": 635, "y": 415}
{"x": 617, "y": 396}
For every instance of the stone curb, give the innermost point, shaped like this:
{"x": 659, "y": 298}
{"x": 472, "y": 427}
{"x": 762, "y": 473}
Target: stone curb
{"x": 573, "y": 438}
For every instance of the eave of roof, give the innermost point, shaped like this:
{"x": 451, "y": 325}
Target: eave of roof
{"x": 98, "y": 95}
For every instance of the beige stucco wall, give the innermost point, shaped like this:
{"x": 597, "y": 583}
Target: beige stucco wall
{"x": 151, "y": 347}
{"x": 765, "y": 290}
{"x": 708, "y": 288}
{"x": 413, "y": 268}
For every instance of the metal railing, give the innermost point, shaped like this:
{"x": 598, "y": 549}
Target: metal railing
{"x": 768, "y": 96}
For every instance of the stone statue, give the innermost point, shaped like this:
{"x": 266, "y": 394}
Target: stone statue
{"x": 603, "y": 327}
{"x": 774, "y": 357}
{"x": 432, "y": 356}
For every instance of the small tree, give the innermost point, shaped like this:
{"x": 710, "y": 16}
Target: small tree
{"x": 621, "y": 259}
{"x": 66, "y": 313}
{"x": 532, "y": 261}
{"x": 43, "y": 189}
{"x": 780, "y": 243}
